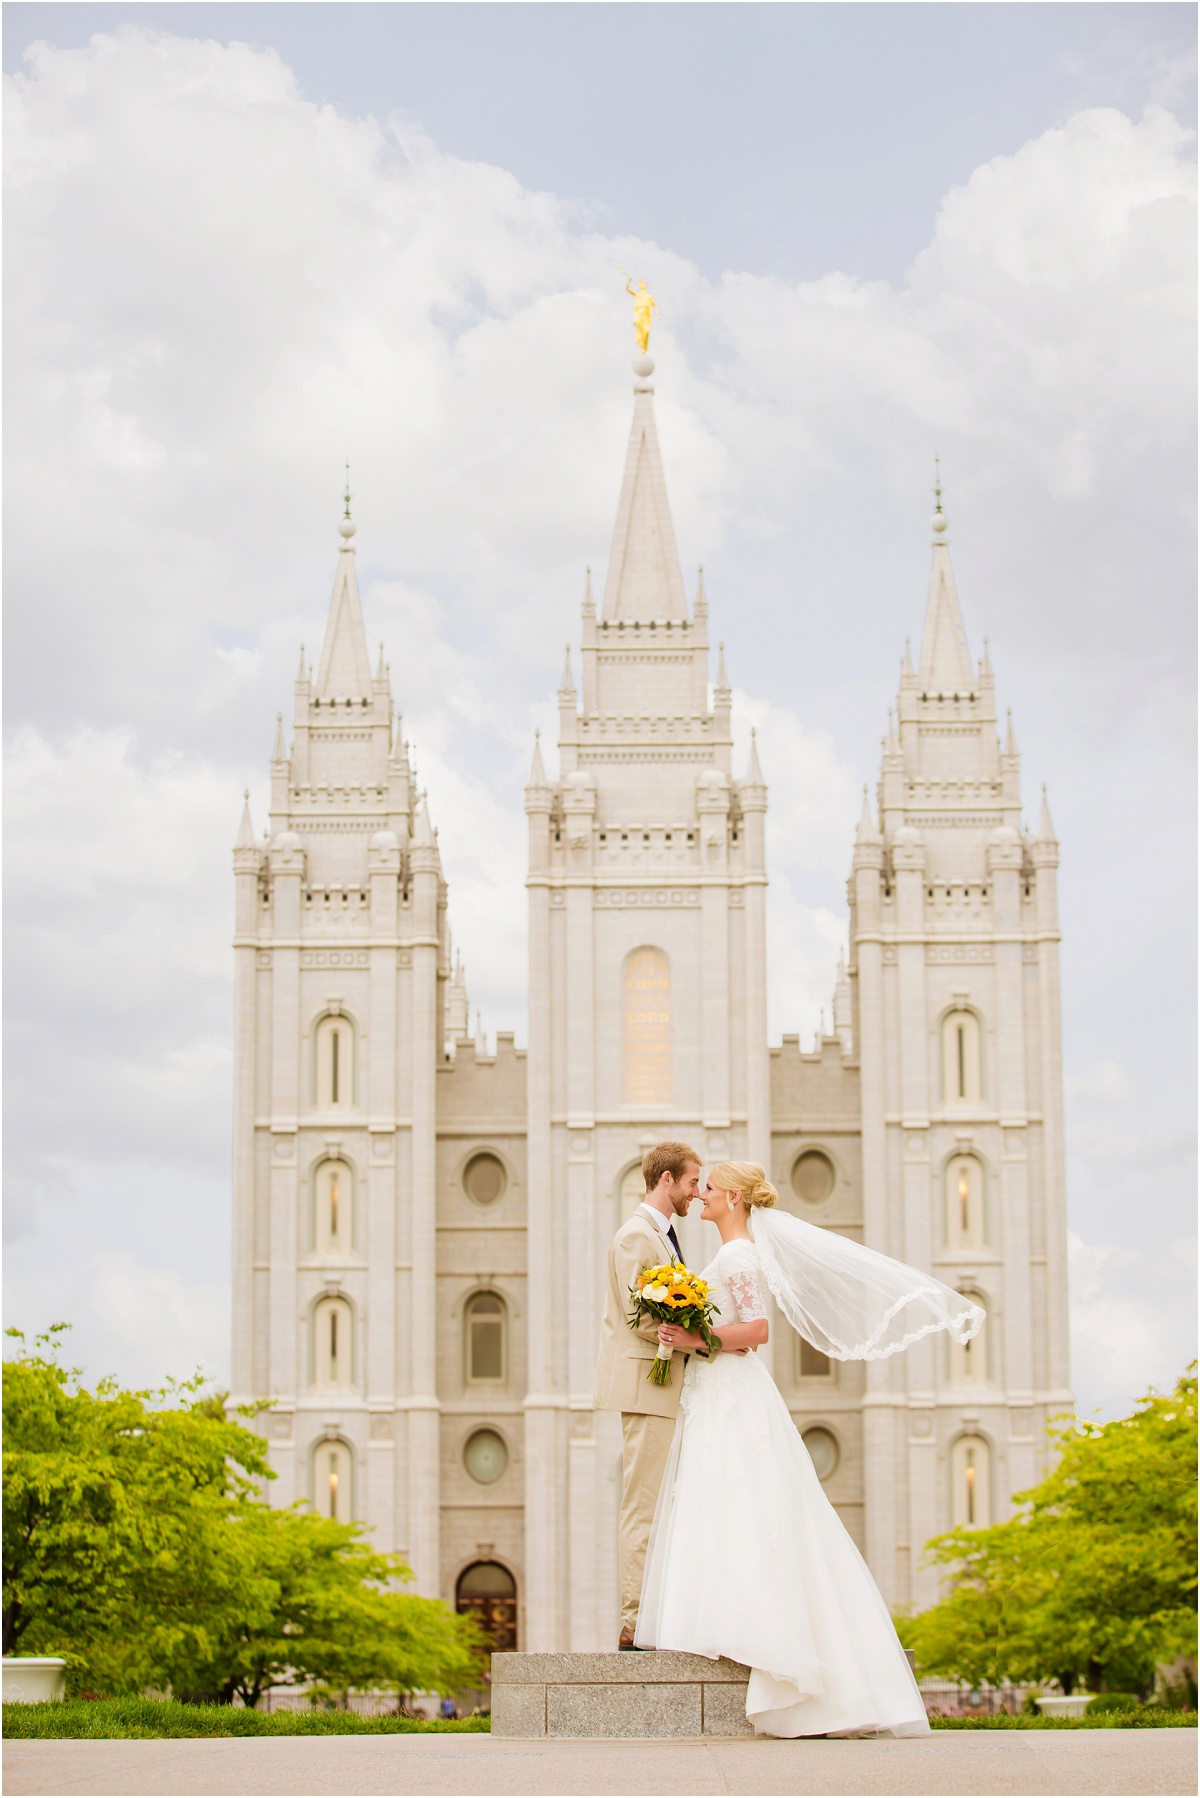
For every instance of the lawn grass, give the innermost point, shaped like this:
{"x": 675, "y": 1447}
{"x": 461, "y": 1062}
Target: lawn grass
{"x": 126, "y": 1719}
{"x": 1147, "y": 1716}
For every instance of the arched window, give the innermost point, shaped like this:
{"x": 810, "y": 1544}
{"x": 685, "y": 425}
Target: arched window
{"x": 969, "y": 1360}
{"x": 333, "y": 1343}
{"x": 334, "y": 1064}
{"x": 962, "y": 1058}
{"x": 965, "y": 1219}
{"x": 486, "y": 1322}
{"x": 647, "y": 1028}
{"x": 333, "y": 1202}
{"x": 971, "y": 1474}
{"x": 488, "y": 1592}
{"x": 633, "y": 1191}
{"x": 333, "y": 1480}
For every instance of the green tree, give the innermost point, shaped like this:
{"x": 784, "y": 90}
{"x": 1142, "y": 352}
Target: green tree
{"x": 137, "y": 1545}
{"x": 297, "y": 1595}
{"x": 1095, "y": 1579}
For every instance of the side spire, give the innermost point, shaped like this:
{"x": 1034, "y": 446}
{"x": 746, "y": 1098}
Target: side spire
{"x": 753, "y": 776}
{"x": 279, "y": 753}
{"x": 245, "y": 835}
{"x": 945, "y": 665}
{"x": 345, "y": 669}
{"x": 1045, "y": 829}
{"x": 644, "y": 579}
{"x": 867, "y": 832}
{"x": 537, "y": 771}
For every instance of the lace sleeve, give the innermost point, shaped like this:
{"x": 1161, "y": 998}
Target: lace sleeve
{"x": 747, "y": 1293}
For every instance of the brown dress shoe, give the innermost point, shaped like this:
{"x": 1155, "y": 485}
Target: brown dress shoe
{"x": 626, "y": 1641}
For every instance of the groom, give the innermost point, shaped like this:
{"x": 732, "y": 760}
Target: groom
{"x": 672, "y": 1175}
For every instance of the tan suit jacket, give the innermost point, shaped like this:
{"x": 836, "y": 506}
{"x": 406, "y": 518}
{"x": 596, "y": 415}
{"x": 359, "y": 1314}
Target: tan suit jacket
{"x": 621, "y": 1364}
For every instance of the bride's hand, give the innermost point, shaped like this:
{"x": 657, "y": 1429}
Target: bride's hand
{"x": 676, "y": 1337}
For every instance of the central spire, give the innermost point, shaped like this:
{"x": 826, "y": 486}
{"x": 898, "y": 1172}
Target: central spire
{"x": 644, "y": 580}
{"x": 945, "y": 665}
{"x": 345, "y": 666}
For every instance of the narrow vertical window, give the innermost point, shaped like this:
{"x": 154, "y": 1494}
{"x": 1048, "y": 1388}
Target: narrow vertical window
{"x": 486, "y": 1320}
{"x": 970, "y": 1471}
{"x": 962, "y": 1063}
{"x": 647, "y": 1028}
{"x": 333, "y": 1063}
{"x": 964, "y": 1212}
{"x": 970, "y": 1484}
{"x": 969, "y": 1360}
{"x": 333, "y": 1343}
{"x": 962, "y": 1058}
{"x": 333, "y": 1485}
{"x": 333, "y": 1208}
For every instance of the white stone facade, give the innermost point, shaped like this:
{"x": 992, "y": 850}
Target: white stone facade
{"x": 420, "y": 1227}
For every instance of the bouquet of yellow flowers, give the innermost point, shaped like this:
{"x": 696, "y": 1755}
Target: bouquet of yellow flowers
{"x": 671, "y": 1294}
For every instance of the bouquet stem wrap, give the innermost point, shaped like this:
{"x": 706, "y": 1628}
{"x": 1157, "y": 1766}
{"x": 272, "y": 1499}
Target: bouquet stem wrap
{"x": 671, "y": 1294}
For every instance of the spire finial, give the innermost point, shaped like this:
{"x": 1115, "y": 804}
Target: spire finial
{"x": 347, "y": 527}
{"x": 722, "y": 676}
{"x": 939, "y": 520}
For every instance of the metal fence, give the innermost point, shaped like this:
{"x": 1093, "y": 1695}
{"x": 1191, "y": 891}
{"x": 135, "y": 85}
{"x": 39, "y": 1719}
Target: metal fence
{"x": 955, "y": 1698}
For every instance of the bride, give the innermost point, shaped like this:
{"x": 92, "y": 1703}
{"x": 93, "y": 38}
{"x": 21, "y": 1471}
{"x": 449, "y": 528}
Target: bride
{"x": 788, "y": 1593}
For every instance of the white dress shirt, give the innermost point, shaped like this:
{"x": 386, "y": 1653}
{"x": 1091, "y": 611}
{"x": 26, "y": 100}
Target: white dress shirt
{"x": 661, "y": 1223}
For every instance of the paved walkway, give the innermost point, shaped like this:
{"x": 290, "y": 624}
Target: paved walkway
{"x": 1120, "y": 1763}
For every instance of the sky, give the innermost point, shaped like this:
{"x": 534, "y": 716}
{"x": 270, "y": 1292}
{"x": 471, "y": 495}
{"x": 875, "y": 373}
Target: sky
{"x": 245, "y": 243}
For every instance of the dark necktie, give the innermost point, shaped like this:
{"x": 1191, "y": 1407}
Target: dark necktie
{"x": 674, "y": 1241}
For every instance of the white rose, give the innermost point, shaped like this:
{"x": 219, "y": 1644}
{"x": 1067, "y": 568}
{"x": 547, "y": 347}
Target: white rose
{"x": 656, "y": 1293}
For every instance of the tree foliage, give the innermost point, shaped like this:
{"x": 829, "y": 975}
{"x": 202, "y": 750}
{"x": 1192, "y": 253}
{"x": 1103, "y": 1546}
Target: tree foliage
{"x": 138, "y": 1546}
{"x": 1094, "y": 1580}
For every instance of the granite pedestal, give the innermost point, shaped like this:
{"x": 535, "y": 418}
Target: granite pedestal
{"x": 651, "y": 1694}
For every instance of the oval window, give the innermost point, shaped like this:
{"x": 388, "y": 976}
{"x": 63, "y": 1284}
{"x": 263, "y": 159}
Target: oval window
{"x": 485, "y": 1456}
{"x": 812, "y": 1176}
{"x": 484, "y": 1178}
{"x": 823, "y": 1450}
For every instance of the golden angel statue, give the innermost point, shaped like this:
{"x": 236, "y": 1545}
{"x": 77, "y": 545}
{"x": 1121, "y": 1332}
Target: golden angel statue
{"x": 644, "y": 309}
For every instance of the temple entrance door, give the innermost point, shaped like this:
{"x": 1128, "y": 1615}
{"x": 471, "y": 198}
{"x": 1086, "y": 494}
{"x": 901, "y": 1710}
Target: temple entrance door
{"x": 489, "y": 1592}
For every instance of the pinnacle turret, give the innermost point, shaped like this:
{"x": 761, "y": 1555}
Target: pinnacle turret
{"x": 753, "y": 776}
{"x": 537, "y": 771}
{"x": 1045, "y": 829}
{"x": 245, "y": 835}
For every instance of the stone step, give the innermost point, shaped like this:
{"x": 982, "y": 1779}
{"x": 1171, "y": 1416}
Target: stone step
{"x": 656, "y": 1693}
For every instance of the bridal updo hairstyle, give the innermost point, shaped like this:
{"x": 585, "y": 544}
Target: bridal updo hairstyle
{"x": 748, "y": 1178}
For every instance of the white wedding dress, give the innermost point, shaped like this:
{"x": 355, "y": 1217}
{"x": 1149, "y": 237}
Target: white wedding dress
{"x": 749, "y": 1559}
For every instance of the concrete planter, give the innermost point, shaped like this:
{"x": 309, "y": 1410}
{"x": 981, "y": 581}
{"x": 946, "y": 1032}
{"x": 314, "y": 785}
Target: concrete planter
{"x": 1074, "y": 1706}
{"x": 32, "y": 1678}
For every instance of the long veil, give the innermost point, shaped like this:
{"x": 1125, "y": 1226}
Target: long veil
{"x": 849, "y": 1301}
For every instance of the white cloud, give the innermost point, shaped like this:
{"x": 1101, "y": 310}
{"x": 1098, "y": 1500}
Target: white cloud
{"x": 1129, "y": 1321}
{"x": 220, "y": 290}
{"x": 1103, "y": 1083}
